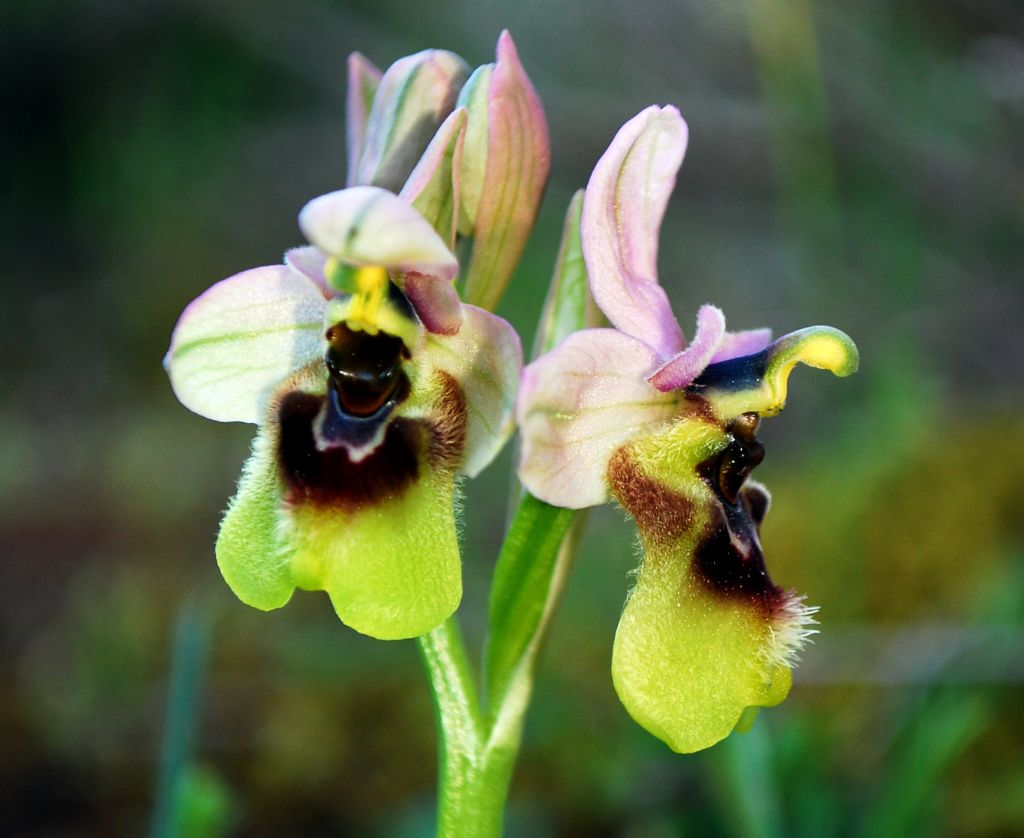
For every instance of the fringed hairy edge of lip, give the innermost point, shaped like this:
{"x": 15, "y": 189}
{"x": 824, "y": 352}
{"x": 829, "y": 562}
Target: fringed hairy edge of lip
{"x": 723, "y": 514}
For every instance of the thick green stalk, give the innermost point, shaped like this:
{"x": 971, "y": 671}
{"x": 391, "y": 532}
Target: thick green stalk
{"x": 478, "y": 751}
{"x": 460, "y": 728}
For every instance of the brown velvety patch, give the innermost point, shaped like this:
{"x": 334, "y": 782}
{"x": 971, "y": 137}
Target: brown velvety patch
{"x": 661, "y": 514}
{"x": 330, "y": 478}
{"x": 448, "y": 428}
{"x": 699, "y": 408}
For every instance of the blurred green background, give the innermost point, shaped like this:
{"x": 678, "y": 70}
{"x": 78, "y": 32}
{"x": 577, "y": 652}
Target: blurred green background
{"x": 857, "y": 164}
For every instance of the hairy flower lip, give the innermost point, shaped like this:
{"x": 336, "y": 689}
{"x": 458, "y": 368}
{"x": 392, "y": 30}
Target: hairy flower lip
{"x": 669, "y": 430}
{"x": 389, "y": 474}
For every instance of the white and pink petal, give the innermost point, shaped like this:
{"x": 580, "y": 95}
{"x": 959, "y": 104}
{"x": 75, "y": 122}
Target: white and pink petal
{"x": 412, "y": 99}
{"x": 622, "y": 212}
{"x": 681, "y": 370}
{"x": 235, "y": 343}
{"x": 368, "y": 226}
{"x": 738, "y": 344}
{"x": 485, "y": 358}
{"x": 363, "y": 80}
{"x": 503, "y": 184}
{"x": 578, "y": 404}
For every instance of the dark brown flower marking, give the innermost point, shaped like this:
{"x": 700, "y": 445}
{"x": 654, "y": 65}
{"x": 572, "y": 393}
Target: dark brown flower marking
{"x": 728, "y": 559}
{"x": 448, "y": 427}
{"x": 330, "y": 478}
{"x": 662, "y": 514}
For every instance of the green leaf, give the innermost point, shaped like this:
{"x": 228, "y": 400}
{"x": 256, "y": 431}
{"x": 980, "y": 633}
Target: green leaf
{"x": 540, "y": 546}
{"x": 527, "y": 581}
{"x": 568, "y": 306}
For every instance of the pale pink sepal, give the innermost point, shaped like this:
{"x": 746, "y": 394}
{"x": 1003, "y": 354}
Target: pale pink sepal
{"x": 577, "y": 405}
{"x": 518, "y": 161}
{"x": 368, "y": 226}
{"x": 414, "y": 96}
{"x": 363, "y": 78}
{"x": 436, "y": 302}
{"x": 622, "y": 212}
{"x": 235, "y": 343}
{"x": 485, "y": 357}
{"x": 310, "y": 261}
{"x": 738, "y": 344}
{"x": 681, "y": 370}
{"x": 433, "y": 186}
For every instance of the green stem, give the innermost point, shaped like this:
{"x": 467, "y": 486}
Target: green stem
{"x": 460, "y": 727}
{"x": 478, "y": 751}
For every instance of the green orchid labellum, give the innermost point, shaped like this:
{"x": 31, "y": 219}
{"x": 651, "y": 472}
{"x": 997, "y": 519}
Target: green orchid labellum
{"x": 668, "y": 429}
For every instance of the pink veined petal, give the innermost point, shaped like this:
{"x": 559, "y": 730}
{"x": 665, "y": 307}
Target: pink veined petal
{"x": 516, "y": 171}
{"x": 577, "y": 405}
{"x": 363, "y": 79}
{"x": 433, "y": 186}
{"x": 622, "y": 212}
{"x": 310, "y": 262}
{"x": 688, "y": 364}
{"x": 738, "y": 344}
{"x": 485, "y": 357}
{"x": 436, "y": 302}
{"x": 413, "y": 97}
{"x": 369, "y": 226}
{"x": 235, "y": 343}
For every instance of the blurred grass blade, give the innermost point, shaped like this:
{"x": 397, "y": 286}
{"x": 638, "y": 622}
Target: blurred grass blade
{"x": 188, "y": 663}
{"x": 908, "y": 800}
{"x": 747, "y": 785}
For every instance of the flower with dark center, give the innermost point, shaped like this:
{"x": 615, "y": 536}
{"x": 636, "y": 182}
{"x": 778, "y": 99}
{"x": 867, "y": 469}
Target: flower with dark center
{"x": 366, "y": 417}
{"x": 373, "y": 385}
{"x": 668, "y": 429}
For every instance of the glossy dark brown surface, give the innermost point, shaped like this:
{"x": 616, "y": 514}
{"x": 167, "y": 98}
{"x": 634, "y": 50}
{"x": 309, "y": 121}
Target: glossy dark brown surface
{"x": 330, "y": 478}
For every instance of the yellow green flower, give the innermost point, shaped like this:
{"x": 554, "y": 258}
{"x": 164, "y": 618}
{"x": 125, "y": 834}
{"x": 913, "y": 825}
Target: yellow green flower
{"x": 668, "y": 429}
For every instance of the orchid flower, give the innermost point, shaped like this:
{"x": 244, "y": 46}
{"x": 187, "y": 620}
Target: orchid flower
{"x": 374, "y": 387}
{"x": 668, "y": 429}
{"x": 365, "y": 417}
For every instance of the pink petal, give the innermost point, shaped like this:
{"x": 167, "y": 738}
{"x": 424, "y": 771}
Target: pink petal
{"x": 622, "y": 213}
{"x": 433, "y": 186}
{"x": 577, "y": 405}
{"x": 436, "y": 302}
{"x": 518, "y": 161}
{"x": 738, "y": 344}
{"x": 688, "y": 364}
{"x": 415, "y": 95}
{"x": 310, "y": 261}
{"x": 363, "y": 78}
{"x": 485, "y": 357}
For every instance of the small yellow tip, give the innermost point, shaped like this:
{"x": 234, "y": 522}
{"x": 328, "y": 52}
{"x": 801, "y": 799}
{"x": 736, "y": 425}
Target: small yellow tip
{"x": 370, "y": 279}
{"x": 821, "y": 347}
